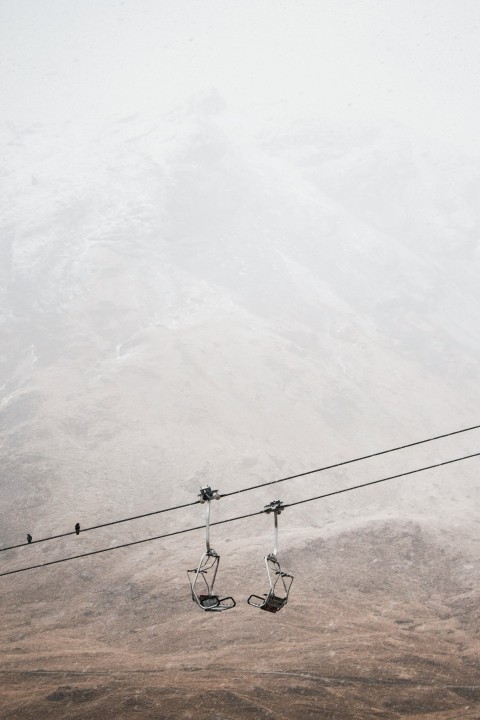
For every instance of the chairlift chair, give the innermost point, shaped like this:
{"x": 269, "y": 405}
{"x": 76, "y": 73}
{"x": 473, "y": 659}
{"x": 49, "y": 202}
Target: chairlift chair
{"x": 202, "y": 578}
{"x": 279, "y": 582}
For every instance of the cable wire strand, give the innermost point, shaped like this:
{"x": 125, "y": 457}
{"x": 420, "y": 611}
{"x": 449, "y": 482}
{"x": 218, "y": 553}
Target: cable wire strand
{"x": 349, "y": 462}
{"x": 129, "y": 544}
{"x": 247, "y": 489}
{"x": 235, "y": 519}
{"x": 376, "y": 482}
{"x": 102, "y": 525}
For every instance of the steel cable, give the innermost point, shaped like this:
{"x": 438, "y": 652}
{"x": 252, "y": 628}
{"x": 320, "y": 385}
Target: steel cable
{"x": 243, "y": 490}
{"x": 239, "y": 517}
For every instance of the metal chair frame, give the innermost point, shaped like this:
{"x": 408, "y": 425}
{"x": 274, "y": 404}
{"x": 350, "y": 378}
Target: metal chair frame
{"x": 279, "y": 582}
{"x": 204, "y": 575}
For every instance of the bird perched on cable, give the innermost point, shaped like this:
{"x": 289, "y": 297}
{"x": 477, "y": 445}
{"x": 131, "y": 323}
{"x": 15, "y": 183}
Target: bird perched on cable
{"x": 77, "y": 528}
{"x": 29, "y": 538}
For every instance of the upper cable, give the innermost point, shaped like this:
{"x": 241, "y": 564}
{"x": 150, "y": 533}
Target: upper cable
{"x": 239, "y": 517}
{"x": 216, "y": 495}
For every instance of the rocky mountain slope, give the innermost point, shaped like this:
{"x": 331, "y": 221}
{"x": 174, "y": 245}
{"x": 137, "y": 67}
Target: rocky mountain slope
{"x": 382, "y": 622}
{"x": 186, "y": 301}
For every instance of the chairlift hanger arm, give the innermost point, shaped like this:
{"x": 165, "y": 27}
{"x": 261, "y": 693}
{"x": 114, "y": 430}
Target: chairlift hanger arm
{"x": 275, "y": 507}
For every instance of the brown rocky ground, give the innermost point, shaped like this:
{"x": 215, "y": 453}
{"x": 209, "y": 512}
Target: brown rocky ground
{"x": 383, "y": 622}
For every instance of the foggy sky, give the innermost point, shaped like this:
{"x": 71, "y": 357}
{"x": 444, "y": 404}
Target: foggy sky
{"x": 333, "y": 267}
{"x": 416, "y": 63}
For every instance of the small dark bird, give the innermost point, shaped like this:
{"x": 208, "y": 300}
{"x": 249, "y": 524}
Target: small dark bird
{"x": 77, "y": 528}
{"x": 29, "y": 538}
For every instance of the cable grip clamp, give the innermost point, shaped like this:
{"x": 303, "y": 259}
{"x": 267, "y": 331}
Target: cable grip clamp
{"x": 276, "y": 506}
{"x": 206, "y": 494}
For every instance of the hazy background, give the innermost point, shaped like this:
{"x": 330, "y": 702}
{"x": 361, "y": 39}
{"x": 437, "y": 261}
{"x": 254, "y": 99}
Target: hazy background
{"x": 412, "y": 63}
{"x": 239, "y": 240}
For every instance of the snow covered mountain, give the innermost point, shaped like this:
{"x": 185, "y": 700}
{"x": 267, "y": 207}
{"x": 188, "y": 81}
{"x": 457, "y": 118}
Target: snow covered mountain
{"x": 185, "y": 300}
